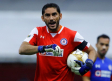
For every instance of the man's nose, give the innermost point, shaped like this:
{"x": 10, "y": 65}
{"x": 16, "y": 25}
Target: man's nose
{"x": 104, "y": 47}
{"x": 51, "y": 17}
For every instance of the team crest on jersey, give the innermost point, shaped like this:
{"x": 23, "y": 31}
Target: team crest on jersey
{"x": 63, "y": 41}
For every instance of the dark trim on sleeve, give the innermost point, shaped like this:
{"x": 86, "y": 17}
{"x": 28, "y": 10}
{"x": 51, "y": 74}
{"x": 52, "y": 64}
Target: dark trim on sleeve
{"x": 82, "y": 45}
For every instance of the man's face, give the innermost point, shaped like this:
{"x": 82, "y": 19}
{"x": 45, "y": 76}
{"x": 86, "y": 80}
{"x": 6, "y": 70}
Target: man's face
{"x": 102, "y": 46}
{"x": 51, "y": 18}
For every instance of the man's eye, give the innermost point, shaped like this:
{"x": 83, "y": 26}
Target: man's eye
{"x": 54, "y": 14}
{"x": 47, "y": 14}
{"x": 107, "y": 45}
{"x": 101, "y": 44}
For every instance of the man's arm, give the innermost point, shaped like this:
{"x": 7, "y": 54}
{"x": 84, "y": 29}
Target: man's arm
{"x": 85, "y": 78}
{"x": 92, "y": 54}
{"x": 85, "y": 67}
{"x": 27, "y": 49}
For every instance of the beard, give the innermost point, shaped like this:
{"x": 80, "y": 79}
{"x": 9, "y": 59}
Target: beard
{"x": 51, "y": 28}
{"x": 102, "y": 54}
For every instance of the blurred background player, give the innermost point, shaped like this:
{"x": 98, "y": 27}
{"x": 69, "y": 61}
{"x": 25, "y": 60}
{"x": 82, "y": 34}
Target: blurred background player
{"x": 53, "y": 43}
{"x": 102, "y": 68}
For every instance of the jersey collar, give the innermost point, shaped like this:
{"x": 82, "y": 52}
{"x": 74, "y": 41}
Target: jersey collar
{"x": 59, "y": 31}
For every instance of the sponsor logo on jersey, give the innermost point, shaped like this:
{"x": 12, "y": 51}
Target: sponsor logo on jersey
{"x": 50, "y": 54}
{"x": 63, "y": 41}
{"x": 103, "y": 73}
{"x": 97, "y": 65}
{"x": 29, "y": 36}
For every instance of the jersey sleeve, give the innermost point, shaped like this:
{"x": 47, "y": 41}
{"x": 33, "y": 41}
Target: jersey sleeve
{"x": 80, "y": 43}
{"x": 32, "y": 37}
{"x": 88, "y": 74}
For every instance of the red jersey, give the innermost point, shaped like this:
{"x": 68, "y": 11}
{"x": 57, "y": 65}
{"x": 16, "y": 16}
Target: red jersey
{"x": 49, "y": 67}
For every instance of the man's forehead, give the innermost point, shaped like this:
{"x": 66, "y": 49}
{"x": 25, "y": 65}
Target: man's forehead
{"x": 51, "y": 10}
{"x": 104, "y": 40}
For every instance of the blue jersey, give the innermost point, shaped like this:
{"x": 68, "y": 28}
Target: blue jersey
{"x": 101, "y": 70}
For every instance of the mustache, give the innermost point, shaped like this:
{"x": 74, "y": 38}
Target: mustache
{"x": 103, "y": 50}
{"x": 52, "y": 22}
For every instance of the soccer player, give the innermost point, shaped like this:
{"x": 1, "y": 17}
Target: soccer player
{"x": 52, "y": 44}
{"x": 102, "y": 68}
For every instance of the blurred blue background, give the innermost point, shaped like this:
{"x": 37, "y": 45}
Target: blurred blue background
{"x": 18, "y": 17}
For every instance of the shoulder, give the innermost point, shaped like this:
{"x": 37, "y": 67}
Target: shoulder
{"x": 108, "y": 59}
{"x": 69, "y": 31}
{"x": 40, "y": 27}
{"x": 75, "y": 34}
{"x": 36, "y": 30}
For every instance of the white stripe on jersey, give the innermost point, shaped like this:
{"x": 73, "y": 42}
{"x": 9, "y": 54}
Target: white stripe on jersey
{"x": 78, "y": 38}
{"x": 53, "y": 34}
{"x": 88, "y": 44}
{"x": 47, "y": 29}
{"x": 34, "y": 31}
{"x": 58, "y": 32}
{"x": 61, "y": 30}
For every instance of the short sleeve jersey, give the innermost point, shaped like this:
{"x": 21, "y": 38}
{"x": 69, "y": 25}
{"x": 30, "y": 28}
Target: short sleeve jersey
{"x": 54, "y": 68}
{"x": 101, "y": 70}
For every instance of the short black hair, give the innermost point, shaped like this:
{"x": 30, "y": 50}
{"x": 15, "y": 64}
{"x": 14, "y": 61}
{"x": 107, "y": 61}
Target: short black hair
{"x": 49, "y": 5}
{"x": 102, "y": 36}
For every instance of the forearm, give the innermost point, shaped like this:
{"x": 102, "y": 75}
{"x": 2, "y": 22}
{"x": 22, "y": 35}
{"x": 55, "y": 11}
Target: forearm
{"x": 92, "y": 55}
{"x": 85, "y": 78}
{"x": 27, "y": 49}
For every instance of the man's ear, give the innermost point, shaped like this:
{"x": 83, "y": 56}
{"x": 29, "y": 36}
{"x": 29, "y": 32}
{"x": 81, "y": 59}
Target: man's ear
{"x": 42, "y": 17}
{"x": 60, "y": 16}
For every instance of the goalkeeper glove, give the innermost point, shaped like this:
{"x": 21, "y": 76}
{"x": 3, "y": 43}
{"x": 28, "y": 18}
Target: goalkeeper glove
{"x": 84, "y": 67}
{"x": 50, "y": 48}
